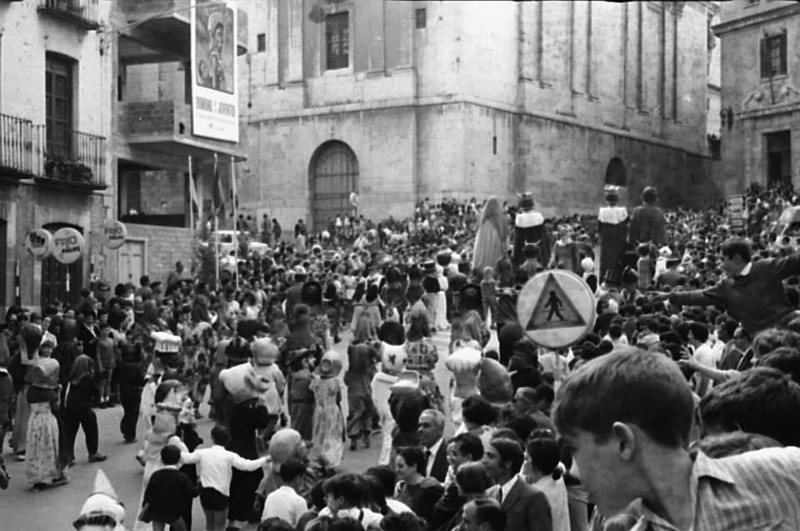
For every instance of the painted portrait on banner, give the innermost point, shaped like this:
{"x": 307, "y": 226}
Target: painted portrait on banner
{"x": 215, "y": 106}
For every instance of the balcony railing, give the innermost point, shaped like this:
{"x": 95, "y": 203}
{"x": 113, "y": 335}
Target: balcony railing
{"x": 84, "y": 13}
{"x": 20, "y": 147}
{"x": 74, "y": 158}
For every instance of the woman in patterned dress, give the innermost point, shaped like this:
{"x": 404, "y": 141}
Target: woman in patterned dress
{"x": 422, "y": 356}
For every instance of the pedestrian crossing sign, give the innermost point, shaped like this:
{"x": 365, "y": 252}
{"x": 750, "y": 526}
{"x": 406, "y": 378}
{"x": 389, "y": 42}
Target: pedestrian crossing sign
{"x": 556, "y": 308}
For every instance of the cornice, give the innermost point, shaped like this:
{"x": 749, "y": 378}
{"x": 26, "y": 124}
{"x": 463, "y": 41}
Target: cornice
{"x": 756, "y": 19}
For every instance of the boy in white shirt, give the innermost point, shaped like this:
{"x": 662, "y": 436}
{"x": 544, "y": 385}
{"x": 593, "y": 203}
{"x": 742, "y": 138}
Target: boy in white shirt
{"x": 285, "y": 503}
{"x": 215, "y": 469}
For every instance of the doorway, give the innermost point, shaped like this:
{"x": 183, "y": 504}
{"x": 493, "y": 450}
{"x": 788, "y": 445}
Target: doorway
{"x": 132, "y": 261}
{"x": 62, "y": 282}
{"x": 334, "y": 176}
{"x": 779, "y": 158}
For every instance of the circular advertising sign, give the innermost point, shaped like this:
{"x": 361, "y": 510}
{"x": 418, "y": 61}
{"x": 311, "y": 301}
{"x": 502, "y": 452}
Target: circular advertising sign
{"x": 68, "y": 245}
{"x": 114, "y": 234}
{"x": 39, "y": 242}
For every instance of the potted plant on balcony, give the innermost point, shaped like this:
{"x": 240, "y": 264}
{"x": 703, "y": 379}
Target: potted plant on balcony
{"x": 63, "y": 169}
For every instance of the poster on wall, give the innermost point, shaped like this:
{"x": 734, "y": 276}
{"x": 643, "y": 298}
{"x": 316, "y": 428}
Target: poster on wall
{"x": 215, "y": 103}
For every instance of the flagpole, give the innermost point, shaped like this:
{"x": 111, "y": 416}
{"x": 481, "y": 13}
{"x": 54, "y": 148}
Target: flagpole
{"x": 216, "y": 248}
{"x": 235, "y": 221}
{"x": 191, "y": 196}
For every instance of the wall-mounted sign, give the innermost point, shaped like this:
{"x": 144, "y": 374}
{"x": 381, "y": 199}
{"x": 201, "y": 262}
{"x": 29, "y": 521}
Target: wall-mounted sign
{"x": 39, "y": 242}
{"x": 114, "y": 234}
{"x": 68, "y": 245}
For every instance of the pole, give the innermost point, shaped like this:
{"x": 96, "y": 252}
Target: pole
{"x": 236, "y": 229}
{"x": 192, "y": 196}
{"x": 216, "y": 248}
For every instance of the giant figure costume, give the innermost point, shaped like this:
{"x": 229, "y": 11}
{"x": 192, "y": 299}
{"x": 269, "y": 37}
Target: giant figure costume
{"x": 529, "y": 228}
{"x": 492, "y": 236}
{"x": 612, "y": 228}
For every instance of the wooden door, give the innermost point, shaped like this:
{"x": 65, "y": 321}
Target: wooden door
{"x": 131, "y": 262}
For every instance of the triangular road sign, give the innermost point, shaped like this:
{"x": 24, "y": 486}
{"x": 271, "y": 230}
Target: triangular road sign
{"x": 554, "y": 309}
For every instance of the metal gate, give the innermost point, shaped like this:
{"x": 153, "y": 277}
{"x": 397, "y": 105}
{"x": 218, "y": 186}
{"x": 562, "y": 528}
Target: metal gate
{"x": 334, "y": 176}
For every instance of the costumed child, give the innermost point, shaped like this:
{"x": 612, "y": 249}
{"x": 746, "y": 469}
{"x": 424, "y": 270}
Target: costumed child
{"x": 244, "y": 389}
{"x": 328, "y": 430}
{"x": 102, "y": 510}
{"x": 393, "y": 360}
{"x": 169, "y": 398}
{"x": 361, "y": 367}
{"x": 265, "y": 354}
{"x": 166, "y": 348}
{"x": 301, "y": 399}
{"x": 464, "y": 363}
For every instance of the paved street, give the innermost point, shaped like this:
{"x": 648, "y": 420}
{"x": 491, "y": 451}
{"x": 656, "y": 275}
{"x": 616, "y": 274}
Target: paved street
{"x": 56, "y": 508}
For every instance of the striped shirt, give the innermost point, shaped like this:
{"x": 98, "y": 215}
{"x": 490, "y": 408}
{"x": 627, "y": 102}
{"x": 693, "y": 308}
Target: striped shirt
{"x": 754, "y": 491}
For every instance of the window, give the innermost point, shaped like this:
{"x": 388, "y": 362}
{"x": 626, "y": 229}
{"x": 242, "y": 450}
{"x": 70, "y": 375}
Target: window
{"x": 421, "y": 16}
{"x": 773, "y": 55}
{"x": 261, "y": 42}
{"x": 58, "y": 106}
{"x": 337, "y": 41}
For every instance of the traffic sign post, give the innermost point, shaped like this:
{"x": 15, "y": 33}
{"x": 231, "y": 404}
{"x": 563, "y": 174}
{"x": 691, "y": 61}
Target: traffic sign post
{"x": 556, "y": 309}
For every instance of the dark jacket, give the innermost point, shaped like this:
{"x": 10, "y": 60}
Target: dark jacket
{"x": 83, "y": 395}
{"x": 526, "y": 508}
{"x": 169, "y": 494}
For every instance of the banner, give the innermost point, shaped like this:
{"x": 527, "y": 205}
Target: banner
{"x": 215, "y": 103}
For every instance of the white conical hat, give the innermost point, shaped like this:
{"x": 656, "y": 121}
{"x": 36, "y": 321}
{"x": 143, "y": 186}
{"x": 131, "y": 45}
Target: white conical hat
{"x": 102, "y": 485}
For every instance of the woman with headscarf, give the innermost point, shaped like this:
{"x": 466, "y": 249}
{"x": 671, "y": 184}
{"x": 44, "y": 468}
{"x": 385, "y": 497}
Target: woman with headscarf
{"x": 311, "y": 295}
{"x": 82, "y": 396}
{"x": 43, "y": 465}
{"x": 422, "y": 356}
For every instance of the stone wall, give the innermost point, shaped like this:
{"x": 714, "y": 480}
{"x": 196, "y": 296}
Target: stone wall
{"x": 164, "y": 247}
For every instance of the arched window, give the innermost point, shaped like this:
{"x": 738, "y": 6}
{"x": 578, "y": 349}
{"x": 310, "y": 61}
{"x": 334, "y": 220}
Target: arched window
{"x": 615, "y": 173}
{"x": 333, "y": 176}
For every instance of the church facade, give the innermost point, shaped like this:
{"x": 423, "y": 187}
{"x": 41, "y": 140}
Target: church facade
{"x": 401, "y": 101}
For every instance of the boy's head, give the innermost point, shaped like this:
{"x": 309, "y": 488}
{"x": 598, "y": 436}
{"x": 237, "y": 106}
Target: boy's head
{"x": 170, "y": 455}
{"x": 616, "y": 413}
{"x": 220, "y": 435}
{"x": 739, "y": 404}
{"x": 291, "y": 470}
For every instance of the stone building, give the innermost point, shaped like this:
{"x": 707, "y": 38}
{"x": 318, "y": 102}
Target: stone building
{"x": 399, "y": 101}
{"x": 760, "y": 40}
{"x": 55, "y": 119}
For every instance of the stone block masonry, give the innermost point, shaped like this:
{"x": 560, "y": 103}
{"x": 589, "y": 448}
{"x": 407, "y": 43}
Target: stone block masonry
{"x": 164, "y": 247}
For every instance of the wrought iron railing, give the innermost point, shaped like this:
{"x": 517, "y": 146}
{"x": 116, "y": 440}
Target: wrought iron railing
{"x": 73, "y": 156}
{"x": 84, "y": 12}
{"x": 20, "y": 147}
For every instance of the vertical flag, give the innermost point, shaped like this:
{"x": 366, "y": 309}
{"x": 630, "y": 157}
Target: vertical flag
{"x": 219, "y": 194}
{"x": 194, "y": 204}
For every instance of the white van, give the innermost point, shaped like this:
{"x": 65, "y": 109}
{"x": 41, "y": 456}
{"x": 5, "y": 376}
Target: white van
{"x": 228, "y": 239}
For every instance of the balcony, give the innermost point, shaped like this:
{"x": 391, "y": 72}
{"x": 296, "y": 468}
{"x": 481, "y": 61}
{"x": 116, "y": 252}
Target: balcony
{"x": 20, "y": 148}
{"x": 159, "y": 31}
{"x": 73, "y": 161}
{"x": 83, "y": 13}
{"x": 166, "y": 127}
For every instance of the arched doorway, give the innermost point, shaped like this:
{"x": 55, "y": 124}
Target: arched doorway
{"x": 62, "y": 282}
{"x": 615, "y": 173}
{"x": 333, "y": 177}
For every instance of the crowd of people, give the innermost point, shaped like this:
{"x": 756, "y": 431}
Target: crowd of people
{"x": 671, "y": 412}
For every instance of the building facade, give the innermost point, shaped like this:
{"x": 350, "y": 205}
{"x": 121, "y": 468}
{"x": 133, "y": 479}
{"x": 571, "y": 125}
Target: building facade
{"x": 399, "y": 101}
{"x": 96, "y": 127}
{"x": 55, "y": 120}
{"x": 760, "y": 112}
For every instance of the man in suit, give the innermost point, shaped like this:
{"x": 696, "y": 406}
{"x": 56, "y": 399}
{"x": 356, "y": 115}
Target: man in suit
{"x": 525, "y": 506}
{"x": 431, "y": 437}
